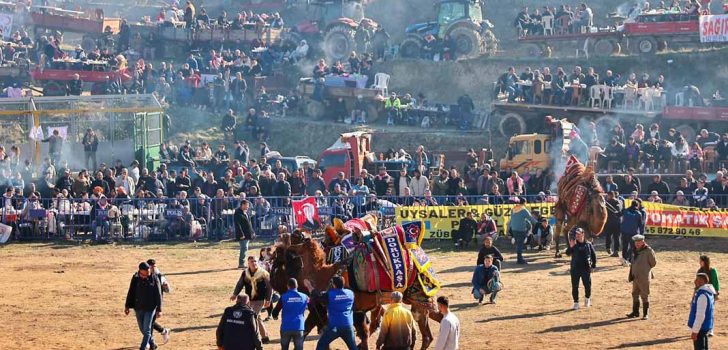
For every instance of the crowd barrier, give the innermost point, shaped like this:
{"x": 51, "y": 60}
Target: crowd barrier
{"x": 212, "y": 218}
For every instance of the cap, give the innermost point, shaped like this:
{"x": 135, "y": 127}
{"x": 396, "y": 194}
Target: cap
{"x": 638, "y": 238}
{"x": 143, "y": 266}
{"x": 151, "y": 262}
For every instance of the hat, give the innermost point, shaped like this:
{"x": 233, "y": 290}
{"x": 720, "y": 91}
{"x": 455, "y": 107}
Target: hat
{"x": 680, "y": 193}
{"x": 638, "y": 238}
{"x": 143, "y": 265}
{"x": 151, "y": 262}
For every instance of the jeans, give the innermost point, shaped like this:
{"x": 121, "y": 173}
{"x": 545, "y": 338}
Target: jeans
{"x": 90, "y": 158}
{"x": 613, "y": 241}
{"x": 295, "y": 336}
{"x": 243, "y": 252}
{"x": 105, "y": 227}
{"x": 257, "y": 306}
{"x": 520, "y": 238}
{"x": 513, "y": 92}
{"x": 145, "y": 320}
{"x": 332, "y": 333}
{"x": 479, "y": 296}
{"x": 585, "y": 277}
{"x": 627, "y": 246}
{"x": 702, "y": 342}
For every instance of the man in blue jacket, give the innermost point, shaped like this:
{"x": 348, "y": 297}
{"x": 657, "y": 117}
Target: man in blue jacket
{"x": 633, "y": 223}
{"x": 701, "y": 312}
{"x": 486, "y": 280}
{"x": 293, "y": 305}
{"x": 339, "y": 303}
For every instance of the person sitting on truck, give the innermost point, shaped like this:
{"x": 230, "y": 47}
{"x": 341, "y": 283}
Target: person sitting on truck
{"x": 584, "y": 18}
{"x": 693, "y": 8}
{"x": 557, "y": 86}
{"x": 706, "y": 138}
{"x": 75, "y": 86}
{"x": 508, "y": 83}
{"x": 722, "y": 150}
{"x": 614, "y": 152}
{"x": 523, "y": 22}
{"x": 393, "y": 105}
{"x": 610, "y": 79}
{"x": 663, "y": 159}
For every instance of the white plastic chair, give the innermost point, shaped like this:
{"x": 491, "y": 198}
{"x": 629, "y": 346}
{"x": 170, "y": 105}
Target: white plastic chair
{"x": 646, "y": 99}
{"x": 607, "y": 96}
{"x": 381, "y": 81}
{"x": 630, "y": 96}
{"x": 680, "y": 99}
{"x": 584, "y": 49}
{"x": 548, "y": 25}
{"x": 595, "y": 95}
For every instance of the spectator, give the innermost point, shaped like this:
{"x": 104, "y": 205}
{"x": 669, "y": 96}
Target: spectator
{"x": 700, "y": 195}
{"x": 615, "y": 207}
{"x": 680, "y": 199}
{"x": 486, "y": 280}
{"x": 398, "y": 326}
{"x": 583, "y": 262}
{"x": 701, "y": 316}
{"x": 145, "y": 298}
{"x": 466, "y": 230}
{"x": 654, "y": 197}
{"x": 90, "y": 145}
{"x": 487, "y": 227}
{"x": 489, "y": 249}
{"x": 658, "y": 185}
{"x": 543, "y": 234}
{"x": 519, "y": 226}
{"x": 640, "y": 274}
{"x": 633, "y": 224}
{"x": 419, "y": 184}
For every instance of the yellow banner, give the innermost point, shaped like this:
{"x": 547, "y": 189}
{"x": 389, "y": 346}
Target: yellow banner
{"x": 662, "y": 219}
{"x": 441, "y": 221}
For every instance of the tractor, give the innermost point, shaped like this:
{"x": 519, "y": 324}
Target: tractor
{"x": 462, "y": 21}
{"x": 331, "y": 23}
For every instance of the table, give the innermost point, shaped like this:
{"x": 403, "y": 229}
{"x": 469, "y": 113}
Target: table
{"x": 359, "y": 81}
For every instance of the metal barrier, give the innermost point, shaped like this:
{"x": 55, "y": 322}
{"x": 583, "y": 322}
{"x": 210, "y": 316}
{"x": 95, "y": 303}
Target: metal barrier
{"x": 209, "y": 218}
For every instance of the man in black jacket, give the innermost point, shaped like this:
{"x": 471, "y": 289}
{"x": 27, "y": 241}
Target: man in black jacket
{"x": 90, "y": 144}
{"x": 75, "y": 86}
{"x": 466, "y": 230}
{"x": 145, "y": 297}
{"x": 658, "y": 185}
{"x": 243, "y": 230}
{"x": 238, "y": 329}
{"x": 614, "y": 222}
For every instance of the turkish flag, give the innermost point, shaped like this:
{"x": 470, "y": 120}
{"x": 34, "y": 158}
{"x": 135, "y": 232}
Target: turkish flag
{"x": 306, "y": 213}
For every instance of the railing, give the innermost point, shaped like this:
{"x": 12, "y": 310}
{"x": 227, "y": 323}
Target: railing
{"x": 212, "y": 219}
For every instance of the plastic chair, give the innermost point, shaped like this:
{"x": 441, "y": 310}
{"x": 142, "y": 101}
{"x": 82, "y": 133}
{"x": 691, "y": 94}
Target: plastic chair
{"x": 607, "y": 96}
{"x": 630, "y": 96}
{"x": 646, "y": 101}
{"x": 584, "y": 49}
{"x": 595, "y": 95}
{"x": 381, "y": 81}
{"x": 548, "y": 25}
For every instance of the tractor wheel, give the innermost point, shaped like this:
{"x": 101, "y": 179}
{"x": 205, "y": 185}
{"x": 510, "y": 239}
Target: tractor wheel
{"x": 314, "y": 109}
{"x": 88, "y": 43}
{"x": 490, "y": 43}
{"x": 339, "y": 42}
{"x": 511, "y": 124}
{"x": 467, "y": 42}
{"x": 686, "y": 131}
{"x": 605, "y": 48}
{"x": 411, "y": 47}
{"x": 54, "y": 88}
{"x": 645, "y": 45}
{"x": 290, "y": 39}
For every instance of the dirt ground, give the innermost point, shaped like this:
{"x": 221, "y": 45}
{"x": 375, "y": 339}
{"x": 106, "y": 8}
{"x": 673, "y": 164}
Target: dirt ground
{"x": 58, "y": 296}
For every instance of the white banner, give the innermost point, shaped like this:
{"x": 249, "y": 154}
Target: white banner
{"x": 714, "y": 28}
{"x": 6, "y": 24}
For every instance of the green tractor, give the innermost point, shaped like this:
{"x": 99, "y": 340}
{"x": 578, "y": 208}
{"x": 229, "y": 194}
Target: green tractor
{"x": 462, "y": 21}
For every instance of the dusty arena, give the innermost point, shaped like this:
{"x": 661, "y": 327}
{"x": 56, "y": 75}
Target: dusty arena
{"x": 71, "y": 297}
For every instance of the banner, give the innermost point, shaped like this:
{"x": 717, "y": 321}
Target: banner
{"x": 6, "y": 25}
{"x": 440, "y": 221}
{"x": 713, "y": 28}
{"x": 306, "y": 213}
{"x": 662, "y": 219}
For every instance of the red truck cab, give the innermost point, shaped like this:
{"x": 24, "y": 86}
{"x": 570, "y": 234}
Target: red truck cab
{"x": 348, "y": 155}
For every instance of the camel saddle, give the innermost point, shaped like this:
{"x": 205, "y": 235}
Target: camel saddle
{"x": 576, "y": 204}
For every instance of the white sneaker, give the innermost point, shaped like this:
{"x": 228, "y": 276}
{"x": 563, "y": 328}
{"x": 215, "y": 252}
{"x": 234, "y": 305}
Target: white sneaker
{"x": 587, "y": 302}
{"x": 576, "y": 306}
{"x": 166, "y": 331}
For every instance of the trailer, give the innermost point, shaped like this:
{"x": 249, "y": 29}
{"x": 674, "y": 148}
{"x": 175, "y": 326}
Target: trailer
{"x": 646, "y": 34}
{"x": 91, "y": 23}
{"x": 316, "y": 109}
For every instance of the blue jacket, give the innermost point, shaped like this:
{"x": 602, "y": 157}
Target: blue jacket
{"x": 294, "y": 304}
{"x": 632, "y": 222}
{"x": 340, "y": 303}
{"x": 521, "y": 222}
{"x": 482, "y": 275}
{"x": 706, "y": 315}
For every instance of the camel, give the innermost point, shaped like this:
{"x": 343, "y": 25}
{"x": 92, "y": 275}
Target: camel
{"x": 314, "y": 268}
{"x": 579, "y": 181}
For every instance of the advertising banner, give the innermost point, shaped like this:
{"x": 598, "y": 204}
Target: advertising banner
{"x": 714, "y": 28}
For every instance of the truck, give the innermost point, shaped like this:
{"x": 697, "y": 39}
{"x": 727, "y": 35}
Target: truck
{"x": 92, "y": 23}
{"x": 462, "y": 21}
{"x": 54, "y": 79}
{"x": 316, "y": 109}
{"x": 645, "y": 34}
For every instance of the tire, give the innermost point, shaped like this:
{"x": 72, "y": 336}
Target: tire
{"x": 339, "y": 42}
{"x": 291, "y": 38}
{"x": 54, "y": 88}
{"x": 605, "y": 48}
{"x": 688, "y": 132}
{"x": 511, "y": 124}
{"x": 411, "y": 47}
{"x": 645, "y": 46}
{"x": 314, "y": 109}
{"x": 467, "y": 42}
{"x": 490, "y": 43}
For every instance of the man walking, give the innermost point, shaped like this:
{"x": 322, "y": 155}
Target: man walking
{"x": 243, "y": 230}
{"x": 486, "y": 280}
{"x": 700, "y": 320}
{"x": 339, "y": 308}
{"x": 449, "y": 336}
{"x": 614, "y": 222}
{"x": 632, "y": 225}
{"x": 640, "y": 274}
{"x": 145, "y": 297}
{"x": 293, "y": 305}
{"x": 256, "y": 282}
{"x": 90, "y": 145}
{"x": 55, "y": 147}
{"x": 519, "y": 226}
{"x": 165, "y": 289}
{"x": 238, "y": 329}
{"x": 398, "y": 327}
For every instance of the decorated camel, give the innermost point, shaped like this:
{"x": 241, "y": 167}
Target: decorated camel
{"x": 374, "y": 264}
{"x": 581, "y": 202}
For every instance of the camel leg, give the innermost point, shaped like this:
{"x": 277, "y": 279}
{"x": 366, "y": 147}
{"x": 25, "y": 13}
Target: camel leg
{"x": 557, "y": 237}
{"x": 377, "y": 314}
{"x": 421, "y": 316}
{"x": 316, "y": 319}
{"x": 361, "y": 324}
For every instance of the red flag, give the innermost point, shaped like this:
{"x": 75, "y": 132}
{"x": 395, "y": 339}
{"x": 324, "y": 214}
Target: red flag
{"x": 306, "y": 213}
